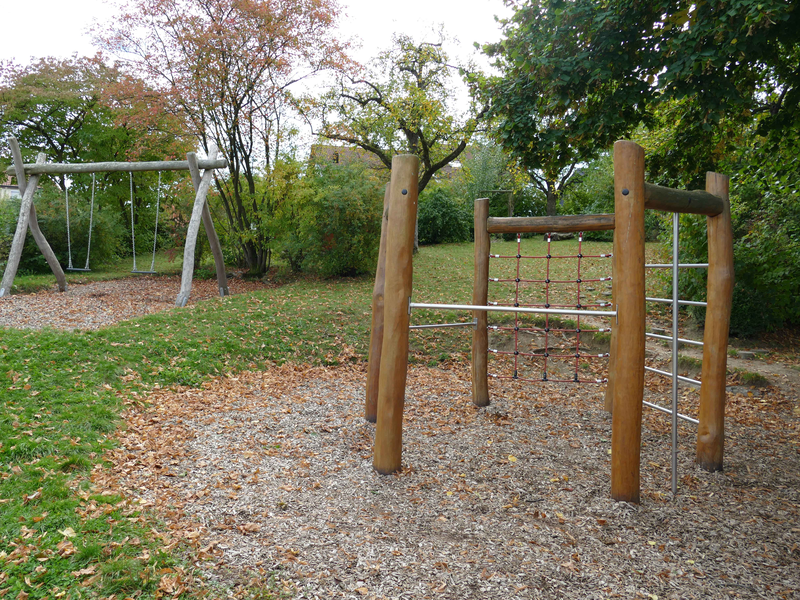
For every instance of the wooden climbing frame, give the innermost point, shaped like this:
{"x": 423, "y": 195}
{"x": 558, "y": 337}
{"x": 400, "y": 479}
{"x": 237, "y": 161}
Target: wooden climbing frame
{"x": 625, "y": 390}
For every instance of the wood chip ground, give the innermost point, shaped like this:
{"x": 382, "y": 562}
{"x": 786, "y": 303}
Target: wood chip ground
{"x": 269, "y": 473}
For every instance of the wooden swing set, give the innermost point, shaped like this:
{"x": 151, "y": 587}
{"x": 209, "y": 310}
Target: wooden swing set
{"x": 392, "y": 305}
{"x": 28, "y": 175}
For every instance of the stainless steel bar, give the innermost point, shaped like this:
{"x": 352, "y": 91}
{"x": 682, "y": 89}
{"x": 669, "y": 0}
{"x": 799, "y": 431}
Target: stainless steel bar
{"x": 473, "y": 323}
{"x": 680, "y": 266}
{"x": 668, "y": 374}
{"x": 515, "y": 309}
{"x": 675, "y": 333}
{"x": 669, "y": 339}
{"x": 680, "y": 302}
{"x": 669, "y": 412}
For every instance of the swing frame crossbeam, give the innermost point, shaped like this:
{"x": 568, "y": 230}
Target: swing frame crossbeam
{"x": 28, "y": 175}
{"x": 389, "y": 340}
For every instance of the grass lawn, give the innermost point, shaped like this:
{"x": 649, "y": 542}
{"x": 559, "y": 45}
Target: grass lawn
{"x": 63, "y": 536}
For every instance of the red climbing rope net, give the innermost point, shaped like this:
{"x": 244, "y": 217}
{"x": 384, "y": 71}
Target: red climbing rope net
{"x": 569, "y": 352}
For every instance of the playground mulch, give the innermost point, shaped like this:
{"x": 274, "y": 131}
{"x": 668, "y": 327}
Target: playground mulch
{"x": 103, "y": 303}
{"x": 268, "y": 474}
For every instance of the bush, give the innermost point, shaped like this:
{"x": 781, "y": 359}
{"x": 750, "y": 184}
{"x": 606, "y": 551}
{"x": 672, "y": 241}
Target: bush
{"x": 443, "y": 219}
{"x": 107, "y": 232}
{"x": 766, "y": 251}
{"x": 339, "y": 221}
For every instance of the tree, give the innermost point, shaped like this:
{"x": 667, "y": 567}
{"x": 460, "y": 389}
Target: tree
{"x": 85, "y": 110}
{"x": 228, "y": 66}
{"x": 403, "y": 104}
{"x": 577, "y": 75}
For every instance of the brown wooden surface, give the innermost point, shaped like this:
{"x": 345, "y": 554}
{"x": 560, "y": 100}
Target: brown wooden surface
{"x": 480, "y": 297}
{"x": 696, "y": 202}
{"x": 626, "y": 432}
{"x": 387, "y": 455}
{"x": 711, "y": 430}
{"x": 612, "y": 358}
{"x": 559, "y": 224}
{"x": 211, "y": 232}
{"x": 191, "y": 233}
{"x": 18, "y": 242}
{"x": 117, "y": 167}
{"x": 33, "y": 221}
{"x": 376, "y": 330}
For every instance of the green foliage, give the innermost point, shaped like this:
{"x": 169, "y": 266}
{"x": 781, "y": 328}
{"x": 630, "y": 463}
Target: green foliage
{"x": 593, "y": 193}
{"x": 766, "y": 254}
{"x": 340, "y": 221}
{"x": 404, "y": 103}
{"x": 108, "y": 233}
{"x": 442, "y": 218}
{"x": 578, "y": 75}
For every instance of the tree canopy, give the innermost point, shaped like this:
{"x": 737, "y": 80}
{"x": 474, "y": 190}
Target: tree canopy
{"x": 228, "y": 66}
{"x": 578, "y": 74}
{"x": 403, "y": 103}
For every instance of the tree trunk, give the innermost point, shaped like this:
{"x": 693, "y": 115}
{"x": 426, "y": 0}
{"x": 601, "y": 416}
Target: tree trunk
{"x": 552, "y": 199}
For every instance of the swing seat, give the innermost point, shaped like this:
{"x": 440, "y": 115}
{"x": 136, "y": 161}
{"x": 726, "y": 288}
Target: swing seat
{"x": 77, "y": 269}
{"x": 145, "y": 272}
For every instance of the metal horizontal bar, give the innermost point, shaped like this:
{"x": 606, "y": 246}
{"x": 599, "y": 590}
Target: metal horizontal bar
{"x": 681, "y": 302}
{"x": 669, "y": 412}
{"x": 669, "y": 339}
{"x": 125, "y": 167}
{"x": 473, "y": 323}
{"x": 516, "y": 309}
{"x": 667, "y": 374}
{"x": 680, "y": 266}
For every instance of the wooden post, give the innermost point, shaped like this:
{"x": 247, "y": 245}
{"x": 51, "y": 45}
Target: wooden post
{"x": 191, "y": 233}
{"x": 397, "y": 293}
{"x": 629, "y": 380}
{"x": 376, "y": 330}
{"x": 711, "y": 430}
{"x": 211, "y": 233}
{"x": 33, "y": 222}
{"x": 117, "y": 167}
{"x": 18, "y": 241}
{"x": 480, "y": 297}
{"x": 612, "y": 358}
{"x": 560, "y": 223}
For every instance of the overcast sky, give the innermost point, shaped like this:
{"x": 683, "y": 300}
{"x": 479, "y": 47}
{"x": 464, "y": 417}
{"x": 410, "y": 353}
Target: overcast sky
{"x": 58, "y": 27}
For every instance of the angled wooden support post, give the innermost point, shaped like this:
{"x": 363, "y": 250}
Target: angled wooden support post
{"x": 191, "y": 234}
{"x": 711, "y": 430}
{"x": 211, "y": 233}
{"x": 18, "y": 241}
{"x": 628, "y": 386}
{"x": 480, "y": 297}
{"x": 388, "y": 448}
{"x": 376, "y": 330}
{"x": 33, "y": 222}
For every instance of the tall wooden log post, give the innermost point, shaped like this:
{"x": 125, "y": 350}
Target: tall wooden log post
{"x": 629, "y": 377}
{"x": 191, "y": 233}
{"x": 18, "y": 242}
{"x": 376, "y": 330}
{"x": 33, "y": 222}
{"x": 612, "y": 358}
{"x": 387, "y": 454}
{"x": 711, "y": 430}
{"x": 480, "y": 297}
{"x": 208, "y": 224}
